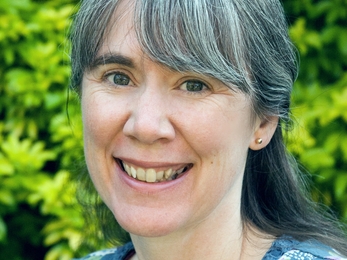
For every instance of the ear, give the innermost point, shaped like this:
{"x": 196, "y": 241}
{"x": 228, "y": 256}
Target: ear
{"x": 264, "y": 130}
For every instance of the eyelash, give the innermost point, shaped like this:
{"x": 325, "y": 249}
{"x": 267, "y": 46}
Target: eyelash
{"x": 199, "y": 92}
{"x": 116, "y": 73}
{"x": 205, "y": 87}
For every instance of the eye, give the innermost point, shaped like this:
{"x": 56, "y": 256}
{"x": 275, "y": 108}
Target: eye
{"x": 118, "y": 78}
{"x": 194, "y": 86}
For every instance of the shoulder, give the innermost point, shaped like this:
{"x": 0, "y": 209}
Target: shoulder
{"x": 118, "y": 253}
{"x": 286, "y": 248}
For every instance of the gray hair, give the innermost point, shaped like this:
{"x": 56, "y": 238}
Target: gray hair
{"x": 241, "y": 43}
{"x": 245, "y": 44}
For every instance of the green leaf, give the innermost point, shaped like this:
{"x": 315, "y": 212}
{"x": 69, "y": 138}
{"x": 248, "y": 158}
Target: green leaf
{"x": 340, "y": 184}
{"x": 3, "y": 230}
{"x": 6, "y": 168}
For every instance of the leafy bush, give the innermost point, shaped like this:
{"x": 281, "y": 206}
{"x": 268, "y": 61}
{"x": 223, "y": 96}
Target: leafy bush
{"x": 40, "y": 148}
{"x": 320, "y": 96}
{"x": 39, "y": 215}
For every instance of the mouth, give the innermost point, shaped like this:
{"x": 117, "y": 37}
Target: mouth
{"x": 151, "y": 174}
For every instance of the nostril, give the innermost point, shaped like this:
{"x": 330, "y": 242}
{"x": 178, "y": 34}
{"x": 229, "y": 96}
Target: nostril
{"x": 149, "y": 128}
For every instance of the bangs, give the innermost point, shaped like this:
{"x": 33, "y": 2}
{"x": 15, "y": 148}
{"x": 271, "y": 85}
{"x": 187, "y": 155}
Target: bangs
{"x": 201, "y": 36}
{"x": 242, "y": 43}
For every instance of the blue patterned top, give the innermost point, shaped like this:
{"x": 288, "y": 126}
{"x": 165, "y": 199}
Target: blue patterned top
{"x": 284, "y": 248}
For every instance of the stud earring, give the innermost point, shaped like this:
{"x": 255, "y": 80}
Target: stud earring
{"x": 259, "y": 141}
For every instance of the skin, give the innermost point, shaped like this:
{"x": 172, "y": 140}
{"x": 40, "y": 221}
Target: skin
{"x": 156, "y": 121}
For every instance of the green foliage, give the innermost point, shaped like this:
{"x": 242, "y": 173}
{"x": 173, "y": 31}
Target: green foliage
{"x": 320, "y": 96}
{"x": 40, "y": 148}
{"x": 39, "y": 215}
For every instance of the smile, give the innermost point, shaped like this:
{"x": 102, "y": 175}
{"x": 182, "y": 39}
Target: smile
{"x": 152, "y": 175}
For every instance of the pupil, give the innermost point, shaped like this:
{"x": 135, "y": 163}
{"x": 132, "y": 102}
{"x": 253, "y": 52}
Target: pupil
{"x": 194, "y": 86}
{"x": 121, "y": 79}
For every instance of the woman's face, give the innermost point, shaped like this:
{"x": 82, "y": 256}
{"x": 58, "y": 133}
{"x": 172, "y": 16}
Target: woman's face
{"x": 184, "y": 136}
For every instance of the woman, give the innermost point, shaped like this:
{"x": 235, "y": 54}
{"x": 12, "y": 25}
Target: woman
{"x": 184, "y": 104}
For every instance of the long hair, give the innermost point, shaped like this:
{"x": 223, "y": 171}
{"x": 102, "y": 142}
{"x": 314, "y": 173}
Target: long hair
{"x": 243, "y": 43}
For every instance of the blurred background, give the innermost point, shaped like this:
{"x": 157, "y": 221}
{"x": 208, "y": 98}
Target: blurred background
{"x": 41, "y": 143}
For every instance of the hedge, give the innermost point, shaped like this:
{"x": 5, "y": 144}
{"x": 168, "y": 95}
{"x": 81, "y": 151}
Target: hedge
{"x": 41, "y": 144}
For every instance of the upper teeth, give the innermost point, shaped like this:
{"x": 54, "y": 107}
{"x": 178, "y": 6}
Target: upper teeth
{"x": 151, "y": 175}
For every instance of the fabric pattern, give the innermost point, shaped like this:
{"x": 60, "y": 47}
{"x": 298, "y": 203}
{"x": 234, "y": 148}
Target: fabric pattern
{"x": 284, "y": 248}
{"x": 119, "y": 253}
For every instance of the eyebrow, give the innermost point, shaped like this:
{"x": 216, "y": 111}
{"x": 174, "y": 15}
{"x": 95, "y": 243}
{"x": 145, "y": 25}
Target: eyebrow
{"x": 111, "y": 58}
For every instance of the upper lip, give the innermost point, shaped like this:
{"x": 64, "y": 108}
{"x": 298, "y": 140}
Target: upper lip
{"x": 152, "y": 164}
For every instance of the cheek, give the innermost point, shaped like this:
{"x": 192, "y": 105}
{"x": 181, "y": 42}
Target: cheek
{"x": 90, "y": 115}
{"x": 219, "y": 123}
{"x": 101, "y": 119}
{"x": 217, "y": 132}
{"x": 97, "y": 136}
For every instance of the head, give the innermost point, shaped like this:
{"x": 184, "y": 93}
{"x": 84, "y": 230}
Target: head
{"x": 243, "y": 44}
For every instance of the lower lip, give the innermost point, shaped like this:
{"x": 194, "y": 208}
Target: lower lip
{"x": 150, "y": 187}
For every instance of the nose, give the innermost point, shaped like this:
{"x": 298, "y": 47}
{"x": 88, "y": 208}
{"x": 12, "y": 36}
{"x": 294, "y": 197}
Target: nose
{"x": 149, "y": 120}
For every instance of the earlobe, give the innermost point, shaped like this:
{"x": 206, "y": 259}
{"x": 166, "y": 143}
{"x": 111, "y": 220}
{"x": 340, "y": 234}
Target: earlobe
{"x": 263, "y": 132}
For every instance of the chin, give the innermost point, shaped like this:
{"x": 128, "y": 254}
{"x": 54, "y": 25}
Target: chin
{"x": 152, "y": 229}
{"x": 150, "y": 222}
